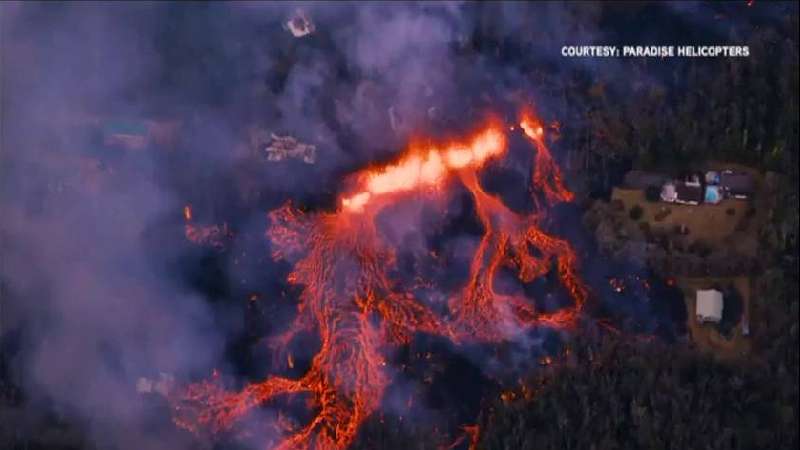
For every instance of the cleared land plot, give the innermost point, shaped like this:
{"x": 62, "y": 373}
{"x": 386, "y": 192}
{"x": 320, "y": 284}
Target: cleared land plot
{"x": 713, "y": 224}
{"x": 706, "y": 336}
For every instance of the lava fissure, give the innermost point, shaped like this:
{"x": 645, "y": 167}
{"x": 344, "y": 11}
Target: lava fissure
{"x": 341, "y": 264}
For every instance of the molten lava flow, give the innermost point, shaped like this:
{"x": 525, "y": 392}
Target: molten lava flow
{"x": 471, "y": 432}
{"x": 507, "y": 240}
{"x": 424, "y": 168}
{"x": 214, "y": 236}
{"x": 546, "y": 174}
{"x": 341, "y": 264}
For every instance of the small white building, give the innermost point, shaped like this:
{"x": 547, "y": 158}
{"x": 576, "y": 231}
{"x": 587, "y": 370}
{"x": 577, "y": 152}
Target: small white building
{"x": 668, "y": 193}
{"x": 300, "y": 24}
{"x": 163, "y": 385}
{"x": 709, "y": 306}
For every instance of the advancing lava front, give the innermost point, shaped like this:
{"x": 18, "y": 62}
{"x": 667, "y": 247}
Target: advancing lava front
{"x": 342, "y": 265}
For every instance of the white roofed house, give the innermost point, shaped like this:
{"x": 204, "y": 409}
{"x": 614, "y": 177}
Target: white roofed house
{"x": 668, "y": 192}
{"x": 709, "y": 306}
{"x": 687, "y": 193}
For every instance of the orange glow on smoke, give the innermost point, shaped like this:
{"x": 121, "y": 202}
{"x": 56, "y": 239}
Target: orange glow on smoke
{"x": 342, "y": 264}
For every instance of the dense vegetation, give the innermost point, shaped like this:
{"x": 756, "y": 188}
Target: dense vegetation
{"x": 670, "y": 117}
{"x": 660, "y": 397}
{"x": 652, "y": 396}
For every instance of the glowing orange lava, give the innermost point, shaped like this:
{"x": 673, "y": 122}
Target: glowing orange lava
{"x": 214, "y": 236}
{"x": 341, "y": 263}
{"x": 546, "y": 175}
{"x": 422, "y": 168}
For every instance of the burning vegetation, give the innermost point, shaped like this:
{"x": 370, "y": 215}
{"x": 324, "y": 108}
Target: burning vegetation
{"x": 342, "y": 266}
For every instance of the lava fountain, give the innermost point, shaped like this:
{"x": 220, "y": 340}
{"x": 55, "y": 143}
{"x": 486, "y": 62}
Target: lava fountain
{"x": 341, "y": 264}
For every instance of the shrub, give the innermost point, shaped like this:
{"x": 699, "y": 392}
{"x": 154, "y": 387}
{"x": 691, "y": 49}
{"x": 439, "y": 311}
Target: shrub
{"x": 636, "y": 212}
{"x": 700, "y": 248}
{"x": 680, "y": 230}
{"x": 652, "y": 193}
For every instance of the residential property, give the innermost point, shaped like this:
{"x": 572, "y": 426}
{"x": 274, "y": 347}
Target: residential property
{"x": 300, "y": 24}
{"x": 283, "y": 147}
{"x": 275, "y": 147}
{"x": 162, "y": 385}
{"x": 696, "y": 188}
{"x": 693, "y": 179}
{"x": 737, "y": 184}
{"x": 713, "y": 195}
{"x": 681, "y": 192}
{"x": 668, "y": 192}
{"x": 688, "y": 194}
{"x": 709, "y": 306}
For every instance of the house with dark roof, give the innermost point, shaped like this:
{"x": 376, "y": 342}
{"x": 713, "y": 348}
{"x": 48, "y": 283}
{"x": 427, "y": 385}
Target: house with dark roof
{"x": 737, "y": 184}
{"x": 683, "y": 193}
{"x": 688, "y": 194}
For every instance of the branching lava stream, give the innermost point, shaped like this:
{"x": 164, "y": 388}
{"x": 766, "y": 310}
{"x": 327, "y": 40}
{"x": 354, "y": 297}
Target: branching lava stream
{"x": 341, "y": 264}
